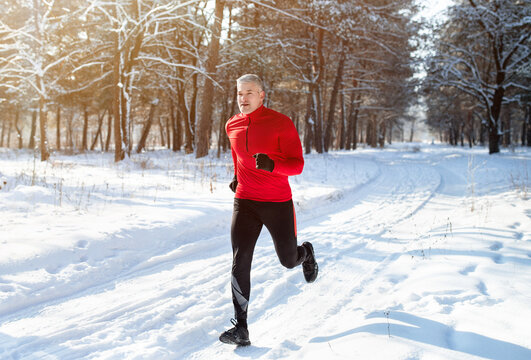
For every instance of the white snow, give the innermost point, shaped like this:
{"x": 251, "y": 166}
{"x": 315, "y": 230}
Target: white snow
{"x": 424, "y": 253}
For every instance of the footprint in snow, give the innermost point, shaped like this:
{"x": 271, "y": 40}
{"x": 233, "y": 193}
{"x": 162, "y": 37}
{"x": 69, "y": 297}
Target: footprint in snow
{"x": 290, "y": 345}
{"x": 80, "y": 267}
{"x": 82, "y": 244}
{"x": 6, "y": 288}
{"x": 482, "y": 288}
{"x": 53, "y": 269}
{"x": 496, "y": 246}
{"x": 468, "y": 270}
{"x": 395, "y": 279}
{"x": 498, "y": 259}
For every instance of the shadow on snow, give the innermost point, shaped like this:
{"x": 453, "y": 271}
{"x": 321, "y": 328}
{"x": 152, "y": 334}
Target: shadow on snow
{"x": 437, "y": 334}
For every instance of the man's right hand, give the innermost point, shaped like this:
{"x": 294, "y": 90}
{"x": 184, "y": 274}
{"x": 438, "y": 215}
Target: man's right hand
{"x": 233, "y": 184}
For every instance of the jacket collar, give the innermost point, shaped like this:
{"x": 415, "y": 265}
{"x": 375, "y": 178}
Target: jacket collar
{"x": 254, "y": 113}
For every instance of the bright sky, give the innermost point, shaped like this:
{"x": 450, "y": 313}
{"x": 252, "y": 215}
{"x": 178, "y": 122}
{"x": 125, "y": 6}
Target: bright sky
{"x": 434, "y": 7}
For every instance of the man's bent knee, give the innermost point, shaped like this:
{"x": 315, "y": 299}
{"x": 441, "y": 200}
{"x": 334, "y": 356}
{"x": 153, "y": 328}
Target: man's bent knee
{"x": 289, "y": 263}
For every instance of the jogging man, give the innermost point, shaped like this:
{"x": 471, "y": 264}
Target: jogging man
{"x": 266, "y": 149}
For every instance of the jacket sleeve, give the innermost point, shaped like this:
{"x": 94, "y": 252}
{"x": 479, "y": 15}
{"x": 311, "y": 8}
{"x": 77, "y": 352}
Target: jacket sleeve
{"x": 290, "y": 160}
{"x": 234, "y": 157}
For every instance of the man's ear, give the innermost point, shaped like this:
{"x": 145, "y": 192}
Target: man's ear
{"x": 262, "y": 95}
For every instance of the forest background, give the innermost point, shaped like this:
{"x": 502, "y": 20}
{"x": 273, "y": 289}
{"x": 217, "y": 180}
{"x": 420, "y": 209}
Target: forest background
{"x": 130, "y": 75}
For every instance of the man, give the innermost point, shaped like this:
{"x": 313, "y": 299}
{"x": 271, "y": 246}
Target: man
{"x": 266, "y": 149}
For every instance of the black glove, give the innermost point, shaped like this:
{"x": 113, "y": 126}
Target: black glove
{"x": 233, "y": 184}
{"x": 264, "y": 162}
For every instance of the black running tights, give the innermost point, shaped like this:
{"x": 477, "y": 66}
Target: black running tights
{"x": 247, "y": 220}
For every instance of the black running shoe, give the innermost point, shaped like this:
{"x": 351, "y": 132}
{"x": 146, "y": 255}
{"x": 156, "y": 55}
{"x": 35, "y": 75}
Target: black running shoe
{"x": 238, "y": 335}
{"x": 309, "y": 266}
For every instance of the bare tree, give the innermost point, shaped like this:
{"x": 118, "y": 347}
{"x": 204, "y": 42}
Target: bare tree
{"x": 205, "y": 122}
{"x": 481, "y": 50}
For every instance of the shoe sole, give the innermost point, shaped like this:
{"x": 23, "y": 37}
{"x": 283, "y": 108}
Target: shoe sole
{"x": 232, "y": 342}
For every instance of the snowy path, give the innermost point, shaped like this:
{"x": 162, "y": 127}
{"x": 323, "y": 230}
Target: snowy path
{"x": 415, "y": 250}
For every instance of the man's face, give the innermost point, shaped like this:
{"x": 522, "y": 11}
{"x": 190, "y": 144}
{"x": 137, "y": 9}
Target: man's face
{"x": 250, "y": 97}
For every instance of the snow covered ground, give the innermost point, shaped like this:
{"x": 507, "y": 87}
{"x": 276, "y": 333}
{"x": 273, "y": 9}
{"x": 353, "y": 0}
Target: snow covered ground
{"x": 424, "y": 253}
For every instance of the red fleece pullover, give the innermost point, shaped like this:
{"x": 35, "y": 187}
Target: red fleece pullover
{"x": 269, "y": 132}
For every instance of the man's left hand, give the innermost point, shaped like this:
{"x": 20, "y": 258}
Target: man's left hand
{"x": 264, "y": 162}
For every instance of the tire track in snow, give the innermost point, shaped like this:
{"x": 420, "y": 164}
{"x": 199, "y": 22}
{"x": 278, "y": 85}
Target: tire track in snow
{"x": 143, "y": 306}
{"x": 112, "y": 263}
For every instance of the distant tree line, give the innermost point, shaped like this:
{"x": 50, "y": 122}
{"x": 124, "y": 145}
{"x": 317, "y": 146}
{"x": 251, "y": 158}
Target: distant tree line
{"x": 123, "y": 75}
{"x": 478, "y": 83}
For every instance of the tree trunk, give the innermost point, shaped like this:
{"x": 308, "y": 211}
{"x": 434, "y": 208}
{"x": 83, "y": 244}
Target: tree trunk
{"x": 18, "y": 129}
{"x": 168, "y": 132}
{"x": 523, "y": 136}
{"x": 3, "y": 133}
{"x": 176, "y": 127}
{"x": 308, "y": 122}
{"x": 58, "y": 129}
{"x": 221, "y": 127}
{"x": 495, "y": 109}
{"x": 333, "y": 101}
{"x": 225, "y": 143}
{"x": 188, "y": 123}
{"x": 118, "y": 151}
{"x": 84, "y": 142}
{"x": 349, "y": 132}
{"x": 372, "y": 132}
{"x": 318, "y": 132}
{"x": 469, "y": 128}
{"x": 342, "y": 127}
{"x": 9, "y": 133}
{"x": 494, "y": 115}
{"x": 109, "y": 130}
{"x": 412, "y": 130}
{"x": 354, "y": 121}
{"x": 352, "y": 125}
{"x": 70, "y": 132}
{"x": 98, "y": 132}
{"x": 162, "y": 136}
{"x": 127, "y": 81}
{"x": 528, "y": 122}
{"x": 123, "y": 113}
{"x": 368, "y": 132}
{"x": 482, "y": 133}
{"x": 455, "y": 131}
{"x": 360, "y": 136}
{"x": 31, "y": 144}
{"x": 381, "y": 133}
{"x": 317, "y": 71}
{"x": 507, "y": 141}
{"x": 43, "y": 125}
{"x": 147, "y": 127}
{"x": 205, "y": 123}
{"x": 494, "y": 141}
{"x": 462, "y": 133}
{"x": 40, "y": 82}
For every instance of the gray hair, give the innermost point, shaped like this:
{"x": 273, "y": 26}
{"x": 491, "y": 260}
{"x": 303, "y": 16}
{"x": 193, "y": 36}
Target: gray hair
{"x": 251, "y": 78}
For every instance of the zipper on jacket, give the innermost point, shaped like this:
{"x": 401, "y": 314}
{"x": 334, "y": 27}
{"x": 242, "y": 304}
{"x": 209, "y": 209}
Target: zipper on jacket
{"x": 247, "y": 136}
